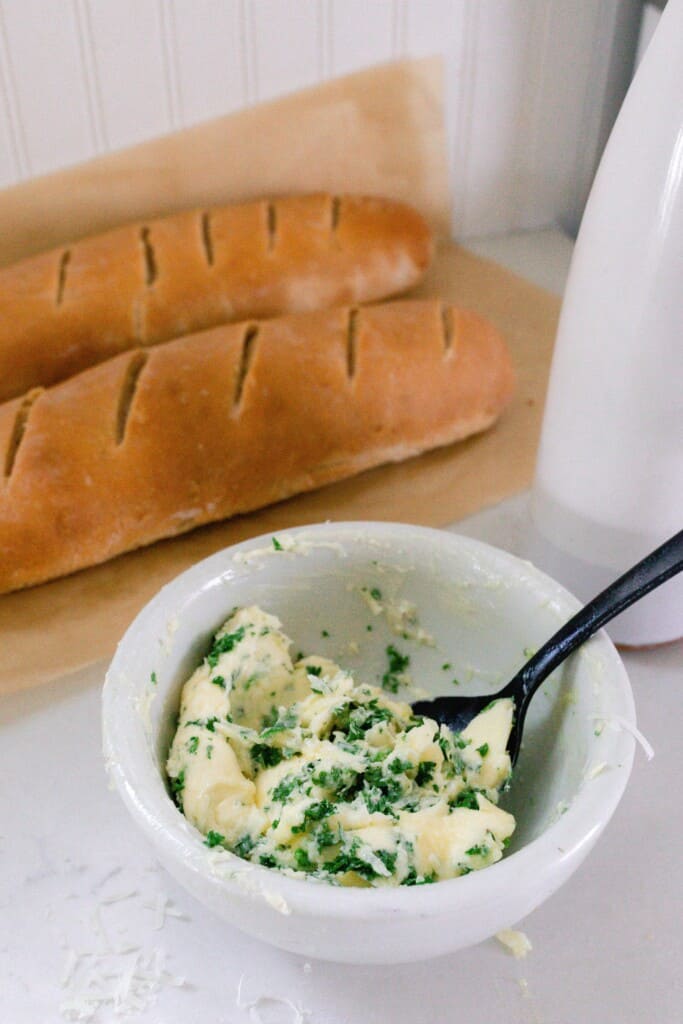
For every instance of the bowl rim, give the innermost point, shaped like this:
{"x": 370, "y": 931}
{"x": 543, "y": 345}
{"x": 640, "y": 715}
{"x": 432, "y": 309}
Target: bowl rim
{"x": 546, "y": 860}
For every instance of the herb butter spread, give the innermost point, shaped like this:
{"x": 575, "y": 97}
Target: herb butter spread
{"x": 296, "y": 766}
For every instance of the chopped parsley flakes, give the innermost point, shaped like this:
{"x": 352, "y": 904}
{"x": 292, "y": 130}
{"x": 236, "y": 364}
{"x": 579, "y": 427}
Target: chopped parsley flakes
{"x": 223, "y": 645}
{"x": 265, "y": 755}
{"x": 425, "y": 773}
{"x": 213, "y": 839}
{"x": 286, "y": 719}
{"x": 398, "y": 663}
{"x": 177, "y": 787}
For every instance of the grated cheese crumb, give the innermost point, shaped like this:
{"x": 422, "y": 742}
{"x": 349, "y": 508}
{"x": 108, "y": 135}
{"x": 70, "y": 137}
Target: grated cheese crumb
{"x": 72, "y": 958}
{"x": 619, "y": 722}
{"x": 106, "y": 979}
{"x": 163, "y": 907}
{"x": 99, "y": 930}
{"x": 254, "y": 1006}
{"x": 118, "y": 897}
{"x": 277, "y": 902}
{"x": 515, "y": 942}
{"x": 123, "y": 983}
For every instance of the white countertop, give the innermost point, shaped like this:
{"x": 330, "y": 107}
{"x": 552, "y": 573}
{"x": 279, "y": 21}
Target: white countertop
{"x": 75, "y": 874}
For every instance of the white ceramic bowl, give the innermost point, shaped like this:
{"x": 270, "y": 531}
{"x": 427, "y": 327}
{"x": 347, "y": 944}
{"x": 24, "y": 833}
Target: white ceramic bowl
{"x": 484, "y": 607}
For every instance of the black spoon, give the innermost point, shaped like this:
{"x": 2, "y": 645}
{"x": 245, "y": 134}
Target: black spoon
{"x": 656, "y": 568}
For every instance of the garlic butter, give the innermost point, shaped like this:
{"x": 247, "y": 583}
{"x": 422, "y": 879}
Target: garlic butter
{"x": 297, "y": 766}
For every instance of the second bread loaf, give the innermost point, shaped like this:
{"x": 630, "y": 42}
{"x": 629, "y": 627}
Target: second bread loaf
{"x": 155, "y": 442}
{"x": 146, "y": 283}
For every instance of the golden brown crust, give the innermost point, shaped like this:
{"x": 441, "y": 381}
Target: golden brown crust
{"x": 145, "y": 283}
{"x": 155, "y": 442}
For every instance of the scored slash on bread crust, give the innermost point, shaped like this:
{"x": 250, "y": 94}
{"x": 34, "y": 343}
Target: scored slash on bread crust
{"x": 157, "y": 441}
{"x": 142, "y": 284}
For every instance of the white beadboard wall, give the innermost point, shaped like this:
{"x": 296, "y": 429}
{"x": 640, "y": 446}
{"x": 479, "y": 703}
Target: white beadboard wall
{"x": 532, "y": 86}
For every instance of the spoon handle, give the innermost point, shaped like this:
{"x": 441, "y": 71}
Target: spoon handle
{"x": 657, "y": 567}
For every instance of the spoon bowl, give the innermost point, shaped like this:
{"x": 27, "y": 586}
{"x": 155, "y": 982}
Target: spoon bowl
{"x": 651, "y": 572}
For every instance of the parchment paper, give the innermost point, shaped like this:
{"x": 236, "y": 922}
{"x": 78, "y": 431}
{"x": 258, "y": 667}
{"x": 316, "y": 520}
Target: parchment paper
{"x": 379, "y": 131}
{"x": 392, "y": 144}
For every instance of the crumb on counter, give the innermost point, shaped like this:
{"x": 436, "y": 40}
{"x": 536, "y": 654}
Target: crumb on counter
{"x": 516, "y": 943}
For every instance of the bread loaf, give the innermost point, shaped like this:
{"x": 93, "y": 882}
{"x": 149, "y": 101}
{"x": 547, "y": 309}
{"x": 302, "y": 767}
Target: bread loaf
{"x": 146, "y": 283}
{"x": 155, "y": 442}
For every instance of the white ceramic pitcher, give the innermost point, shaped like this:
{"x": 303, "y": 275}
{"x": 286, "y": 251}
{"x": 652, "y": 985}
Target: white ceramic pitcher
{"x": 609, "y": 476}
